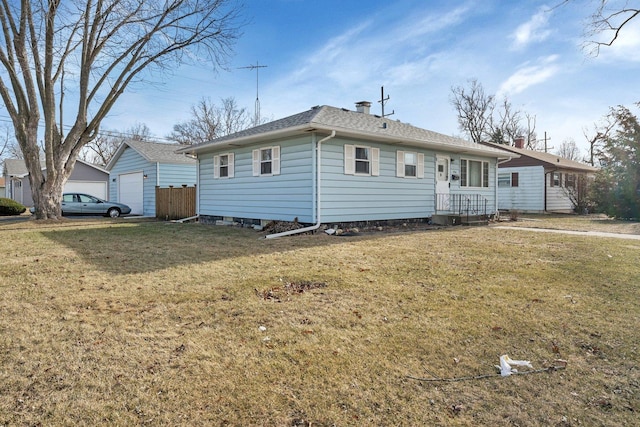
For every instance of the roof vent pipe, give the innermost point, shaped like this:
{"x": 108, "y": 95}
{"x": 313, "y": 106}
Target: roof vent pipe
{"x": 363, "y": 107}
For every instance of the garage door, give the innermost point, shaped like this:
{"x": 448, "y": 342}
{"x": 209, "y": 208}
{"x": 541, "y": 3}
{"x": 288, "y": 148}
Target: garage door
{"x": 130, "y": 192}
{"x": 98, "y": 189}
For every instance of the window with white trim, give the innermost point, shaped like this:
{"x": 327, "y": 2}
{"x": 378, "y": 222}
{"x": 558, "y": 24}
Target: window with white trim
{"x": 361, "y": 160}
{"x": 266, "y": 161}
{"x": 409, "y": 164}
{"x": 223, "y": 165}
{"x": 474, "y": 173}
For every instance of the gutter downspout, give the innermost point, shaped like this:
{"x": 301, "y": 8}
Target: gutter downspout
{"x": 318, "y": 194}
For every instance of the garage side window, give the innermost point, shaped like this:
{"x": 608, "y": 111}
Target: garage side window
{"x": 507, "y": 179}
{"x": 223, "y": 165}
{"x": 266, "y": 161}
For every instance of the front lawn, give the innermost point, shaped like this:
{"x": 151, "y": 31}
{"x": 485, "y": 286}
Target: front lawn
{"x": 125, "y": 323}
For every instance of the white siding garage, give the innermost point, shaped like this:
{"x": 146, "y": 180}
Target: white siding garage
{"x": 131, "y": 191}
{"x": 98, "y": 189}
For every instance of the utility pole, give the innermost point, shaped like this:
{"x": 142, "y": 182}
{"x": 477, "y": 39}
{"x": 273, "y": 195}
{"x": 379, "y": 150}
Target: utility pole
{"x": 383, "y": 101}
{"x": 256, "y": 119}
{"x": 545, "y": 143}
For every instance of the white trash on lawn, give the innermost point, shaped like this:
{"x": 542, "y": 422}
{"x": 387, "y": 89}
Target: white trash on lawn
{"x": 507, "y": 364}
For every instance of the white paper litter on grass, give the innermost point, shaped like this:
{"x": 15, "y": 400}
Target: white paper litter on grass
{"x": 507, "y": 364}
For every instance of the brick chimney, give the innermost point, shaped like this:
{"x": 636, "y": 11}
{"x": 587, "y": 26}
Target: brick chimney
{"x": 363, "y": 107}
{"x": 519, "y": 142}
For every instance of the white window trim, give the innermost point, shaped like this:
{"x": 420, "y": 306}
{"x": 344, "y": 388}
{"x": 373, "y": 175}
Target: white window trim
{"x": 482, "y": 183}
{"x": 230, "y": 166}
{"x": 275, "y": 161}
{"x": 350, "y": 160}
{"x": 400, "y": 173}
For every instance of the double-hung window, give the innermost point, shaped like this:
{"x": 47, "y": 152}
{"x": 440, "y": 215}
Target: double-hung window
{"x": 474, "y": 173}
{"x": 409, "y": 164}
{"x": 223, "y": 165}
{"x": 266, "y": 161}
{"x": 361, "y": 160}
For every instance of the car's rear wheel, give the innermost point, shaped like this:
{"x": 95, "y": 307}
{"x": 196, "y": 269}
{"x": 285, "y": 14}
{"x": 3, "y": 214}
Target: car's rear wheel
{"x": 113, "y": 212}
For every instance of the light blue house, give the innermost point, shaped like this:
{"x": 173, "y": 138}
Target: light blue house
{"x": 335, "y": 166}
{"x": 138, "y": 167}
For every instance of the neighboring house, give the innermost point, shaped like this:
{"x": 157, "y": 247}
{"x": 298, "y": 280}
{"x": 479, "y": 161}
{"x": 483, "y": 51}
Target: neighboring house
{"x": 138, "y": 167}
{"x": 85, "y": 178}
{"x": 538, "y": 182}
{"x": 2, "y": 187}
{"x": 333, "y": 165}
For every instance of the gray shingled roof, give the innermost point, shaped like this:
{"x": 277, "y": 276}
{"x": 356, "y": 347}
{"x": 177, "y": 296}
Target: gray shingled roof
{"x": 156, "y": 152}
{"x": 17, "y": 167}
{"x": 353, "y": 124}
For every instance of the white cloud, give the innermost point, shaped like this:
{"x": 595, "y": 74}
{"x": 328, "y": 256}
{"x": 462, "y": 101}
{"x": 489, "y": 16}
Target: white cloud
{"x": 534, "y": 30}
{"x": 354, "y": 59}
{"x": 530, "y": 75}
{"x": 428, "y": 24}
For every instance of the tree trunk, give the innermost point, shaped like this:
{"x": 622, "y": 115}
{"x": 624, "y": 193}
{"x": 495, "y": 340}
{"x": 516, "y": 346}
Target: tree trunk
{"x": 47, "y": 201}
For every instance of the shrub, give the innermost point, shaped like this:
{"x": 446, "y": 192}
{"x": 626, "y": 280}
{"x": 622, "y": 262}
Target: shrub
{"x": 10, "y": 207}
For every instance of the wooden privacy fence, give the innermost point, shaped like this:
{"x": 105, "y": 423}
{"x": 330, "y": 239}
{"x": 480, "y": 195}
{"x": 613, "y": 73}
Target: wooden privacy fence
{"x": 175, "y": 202}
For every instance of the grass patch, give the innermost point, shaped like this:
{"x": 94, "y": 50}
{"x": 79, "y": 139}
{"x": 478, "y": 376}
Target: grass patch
{"x": 122, "y": 323}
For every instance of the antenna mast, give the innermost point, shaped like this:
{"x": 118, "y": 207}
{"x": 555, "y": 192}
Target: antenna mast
{"x": 383, "y": 101}
{"x": 256, "y": 119}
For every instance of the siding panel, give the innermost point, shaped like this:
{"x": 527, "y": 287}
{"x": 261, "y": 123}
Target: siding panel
{"x": 528, "y": 196}
{"x": 284, "y": 196}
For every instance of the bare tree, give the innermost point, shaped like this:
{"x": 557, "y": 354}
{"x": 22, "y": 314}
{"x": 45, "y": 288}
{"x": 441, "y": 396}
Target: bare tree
{"x": 98, "y": 48}
{"x": 569, "y": 150}
{"x": 9, "y": 148}
{"x": 474, "y": 109}
{"x": 209, "y": 121}
{"x": 530, "y": 132}
{"x": 609, "y": 19}
{"x": 104, "y": 146}
{"x": 506, "y": 122}
{"x": 481, "y": 118}
{"x": 600, "y": 134}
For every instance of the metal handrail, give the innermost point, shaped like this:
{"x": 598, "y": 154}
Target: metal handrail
{"x": 459, "y": 204}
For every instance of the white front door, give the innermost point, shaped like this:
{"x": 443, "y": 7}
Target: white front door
{"x": 442, "y": 183}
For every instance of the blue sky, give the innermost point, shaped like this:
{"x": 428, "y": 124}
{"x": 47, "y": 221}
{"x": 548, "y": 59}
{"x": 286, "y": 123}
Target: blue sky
{"x": 326, "y": 52}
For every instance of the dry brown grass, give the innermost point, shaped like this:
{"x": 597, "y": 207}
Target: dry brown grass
{"x": 121, "y": 323}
